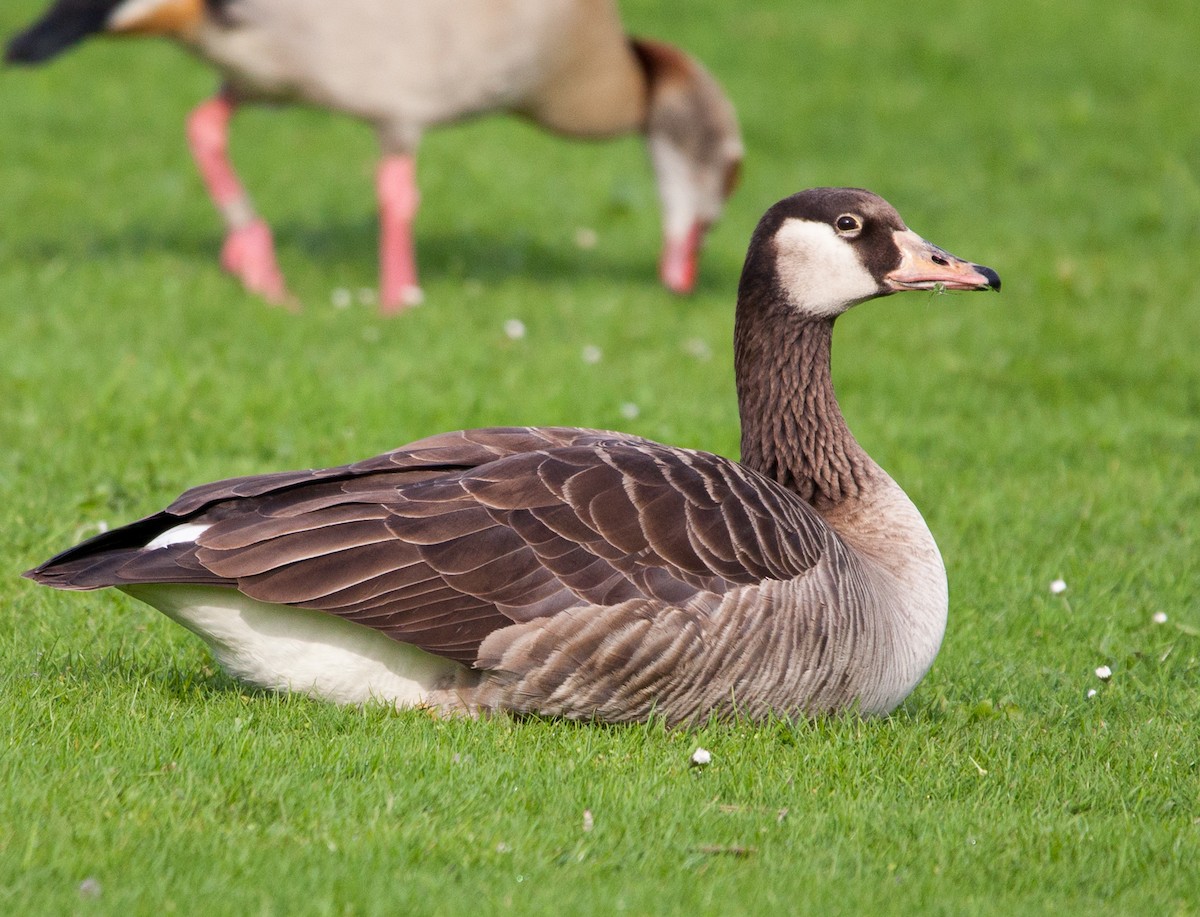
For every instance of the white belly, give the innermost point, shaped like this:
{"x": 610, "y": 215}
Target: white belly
{"x": 295, "y": 649}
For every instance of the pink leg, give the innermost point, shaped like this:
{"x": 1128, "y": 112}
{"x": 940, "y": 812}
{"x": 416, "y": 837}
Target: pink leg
{"x": 396, "y": 185}
{"x": 248, "y": 252}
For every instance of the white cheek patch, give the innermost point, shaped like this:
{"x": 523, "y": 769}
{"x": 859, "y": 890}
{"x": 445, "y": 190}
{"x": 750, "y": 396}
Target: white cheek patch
{"x": 819, "y": 271}
{"x": 189, "y": 531}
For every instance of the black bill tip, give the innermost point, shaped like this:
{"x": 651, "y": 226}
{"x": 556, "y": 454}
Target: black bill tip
{"x": 993, "y": 279}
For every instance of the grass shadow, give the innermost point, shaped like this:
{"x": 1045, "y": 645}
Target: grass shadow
{"x": 350, "y": 246}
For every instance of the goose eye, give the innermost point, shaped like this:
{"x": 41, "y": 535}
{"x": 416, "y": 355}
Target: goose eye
{"x": 847, "y": 224}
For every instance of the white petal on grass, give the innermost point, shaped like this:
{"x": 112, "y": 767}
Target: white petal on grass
{"x": 1104, "y": 673}
{"x": 341, "y": 298}
{"x": 515, "y": 329}
{"x": 586, "y": 238}
{"x": 698, "y": 348}
{"x": 588, "y": 822}
{"x": 1159, "y": 617}
{"x": 630, "y": 411}
{"x": 592, "y": 354}
{"x": 1058, "y": 587}
{"x": 701, "y": 757}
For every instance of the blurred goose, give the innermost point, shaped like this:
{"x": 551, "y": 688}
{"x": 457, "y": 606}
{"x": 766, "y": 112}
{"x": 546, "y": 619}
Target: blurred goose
{"x": 407, "y": 66}
{"x": 582, "y": 573}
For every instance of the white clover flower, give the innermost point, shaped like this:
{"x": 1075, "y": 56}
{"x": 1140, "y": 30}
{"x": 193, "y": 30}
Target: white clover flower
{"x": 698, "y": 348}
{"x": 1058, "y": 587}
{"x": 701, "y": 757}
{"x": 586, "y": 238}
{"x": 1159, "y": 617}
{"x": 515, "y": 329}
{"x": 592, "y": 354}
{"x": 1104, "y": 673}
{"x": 1091, "y": 693}
{"x": 341, "y": 298}
{"x": 630, "y": 411}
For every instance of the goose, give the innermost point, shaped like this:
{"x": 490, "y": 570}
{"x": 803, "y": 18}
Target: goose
{"x": 583, "y": 573}
{"x": 405, "y": 67}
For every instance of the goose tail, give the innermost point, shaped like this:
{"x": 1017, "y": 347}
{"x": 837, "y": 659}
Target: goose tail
{"x": 66, "y": 23}
{"x": 124, "y": 556}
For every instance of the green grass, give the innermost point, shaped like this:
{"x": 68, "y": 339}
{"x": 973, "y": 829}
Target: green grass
{"x": 1053, "y": 430}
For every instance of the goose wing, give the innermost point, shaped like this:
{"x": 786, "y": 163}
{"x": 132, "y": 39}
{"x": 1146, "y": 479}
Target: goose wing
{"x": 440, "y": 543}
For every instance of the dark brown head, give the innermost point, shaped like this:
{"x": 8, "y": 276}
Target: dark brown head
{"x": 812, "y": 257}
{"x": 819, "y": 252}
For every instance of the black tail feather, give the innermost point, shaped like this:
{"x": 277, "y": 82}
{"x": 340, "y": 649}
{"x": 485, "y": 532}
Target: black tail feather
{"x": 65, "y": 24}
{"x": 93, "y": 557}
{"x": 119, "y": 558}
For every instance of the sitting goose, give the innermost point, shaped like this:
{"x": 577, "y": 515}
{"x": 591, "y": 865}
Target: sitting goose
{"x": 582, "y": 573}
{"x": 406, "y": 67}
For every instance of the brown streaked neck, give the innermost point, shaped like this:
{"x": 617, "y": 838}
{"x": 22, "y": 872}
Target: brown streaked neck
{"x": 792, "y": 428}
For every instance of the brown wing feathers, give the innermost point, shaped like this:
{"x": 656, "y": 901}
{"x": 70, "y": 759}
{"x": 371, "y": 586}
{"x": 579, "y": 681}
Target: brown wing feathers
{"x": 452, "y": 538}
{"x": 443, "y": 452}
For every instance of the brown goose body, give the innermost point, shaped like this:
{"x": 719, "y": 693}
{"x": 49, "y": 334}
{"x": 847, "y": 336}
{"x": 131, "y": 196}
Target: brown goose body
{"x": 405, "y": 67}
{"x": 584, "y": 573}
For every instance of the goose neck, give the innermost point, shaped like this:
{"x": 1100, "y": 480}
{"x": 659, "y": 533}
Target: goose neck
{"x": 792, "y": 428}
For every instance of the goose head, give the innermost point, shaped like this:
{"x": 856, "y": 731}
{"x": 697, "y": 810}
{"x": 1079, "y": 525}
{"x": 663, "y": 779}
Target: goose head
{"x": 824, "y": 250}
{"x": 696, "y": 151}
{"x": 813, "y": 256}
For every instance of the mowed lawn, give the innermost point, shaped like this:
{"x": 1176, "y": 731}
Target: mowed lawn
{"x": 1050, "y": 432}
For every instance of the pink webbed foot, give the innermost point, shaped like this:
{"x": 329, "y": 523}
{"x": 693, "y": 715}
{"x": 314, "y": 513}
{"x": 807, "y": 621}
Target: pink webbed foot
{"x": 249, "y": 254}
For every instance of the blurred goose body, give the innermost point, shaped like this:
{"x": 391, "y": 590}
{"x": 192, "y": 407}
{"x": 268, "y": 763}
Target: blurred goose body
{"x": 584, "y": 573}
{"x": 405, "y": 66}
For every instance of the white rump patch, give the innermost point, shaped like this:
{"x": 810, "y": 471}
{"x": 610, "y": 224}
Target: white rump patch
{"x": 282, "y": 648}
{"x": 129, "y": 13}
{"x": 820, "y": 271}
{"x": 189, "y": 531}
